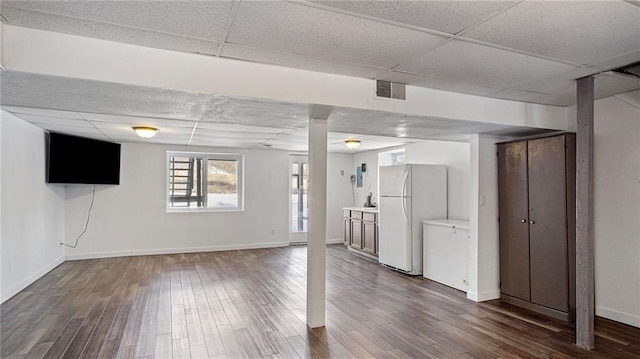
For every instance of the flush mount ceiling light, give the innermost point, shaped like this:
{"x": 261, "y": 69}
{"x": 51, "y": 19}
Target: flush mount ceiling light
{"x": 145, "y": 131}
{"x": 352, "y": 144}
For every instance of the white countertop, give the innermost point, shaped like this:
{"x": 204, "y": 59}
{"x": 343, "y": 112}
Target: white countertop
{"x": 362, "y": 209}
{"x": 445, "y": 222}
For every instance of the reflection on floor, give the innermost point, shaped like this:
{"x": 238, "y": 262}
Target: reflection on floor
{"x": 251, "y": 304}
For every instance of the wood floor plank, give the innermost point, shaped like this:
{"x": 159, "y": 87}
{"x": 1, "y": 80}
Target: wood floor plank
{"x": 251, "y": 304}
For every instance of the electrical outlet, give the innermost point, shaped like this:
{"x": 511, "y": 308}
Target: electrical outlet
{"x": 273, "y": 231}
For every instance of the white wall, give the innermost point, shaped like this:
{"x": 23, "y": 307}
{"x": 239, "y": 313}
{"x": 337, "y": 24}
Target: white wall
{"x": 369, "y": 178}
{"x": 455, "y": 155}
{"x": 338, "y": 193}
{"x": 617, "y": 210}
{"x": 32, "y": 211}
{"x": 131, "y": 218}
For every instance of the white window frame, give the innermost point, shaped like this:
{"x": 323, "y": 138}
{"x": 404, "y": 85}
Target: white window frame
{"x": 207, "y": 156}
{"x": 395, "y": 155}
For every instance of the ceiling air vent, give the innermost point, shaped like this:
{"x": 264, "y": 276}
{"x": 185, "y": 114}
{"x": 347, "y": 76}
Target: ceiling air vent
{"x": 387, "y": 89}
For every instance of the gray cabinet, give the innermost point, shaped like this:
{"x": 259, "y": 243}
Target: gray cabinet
{"x": 536, "y": 179}
{"x": 361, "y": 231}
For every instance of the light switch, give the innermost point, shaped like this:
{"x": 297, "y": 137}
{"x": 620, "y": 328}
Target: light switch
{"x": 483, "y": 200}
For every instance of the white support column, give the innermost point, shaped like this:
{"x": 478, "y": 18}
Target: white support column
{"x": 585, "y": 298}
{"x": 484, "y": 254}
{"x": 317, "y": 236}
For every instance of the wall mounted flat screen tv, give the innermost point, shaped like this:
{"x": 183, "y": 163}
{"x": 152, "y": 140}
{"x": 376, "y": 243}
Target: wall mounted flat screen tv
{"x": 72, "y": 159}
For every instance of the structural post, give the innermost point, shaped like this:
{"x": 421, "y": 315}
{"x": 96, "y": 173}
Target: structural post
{"x": 585, "y": 302}
{"x": 317, "y": 236}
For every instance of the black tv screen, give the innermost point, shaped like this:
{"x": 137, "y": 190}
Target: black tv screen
{"x": 72, "y": 159}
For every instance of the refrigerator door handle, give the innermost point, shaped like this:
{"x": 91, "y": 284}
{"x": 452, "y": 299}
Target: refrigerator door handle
{"x": 404, "y": 197}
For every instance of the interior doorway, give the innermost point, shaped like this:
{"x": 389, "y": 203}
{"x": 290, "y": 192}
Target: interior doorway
{"x": 298, "y": 198}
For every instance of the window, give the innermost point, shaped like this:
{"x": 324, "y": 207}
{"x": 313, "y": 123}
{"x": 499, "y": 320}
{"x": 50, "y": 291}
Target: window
{"x": 397, "y": 158}
{"x": 204, "y": 182}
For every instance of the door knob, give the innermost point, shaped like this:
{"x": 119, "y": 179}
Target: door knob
{"x": 532, "y": 221}
{"x": 523, "y": 221}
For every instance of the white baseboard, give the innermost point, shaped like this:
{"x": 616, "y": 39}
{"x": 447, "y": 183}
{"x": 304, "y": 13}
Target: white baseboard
{"x": 484, "y": 296}
{"x": 618, "y": 316}
{"x": 335, "y": 241}
{"x": 146, "y": 252}
{"x": 32, "y": 278}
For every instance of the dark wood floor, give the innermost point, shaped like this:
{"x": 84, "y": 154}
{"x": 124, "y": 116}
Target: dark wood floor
{"x": 251, "y": 304}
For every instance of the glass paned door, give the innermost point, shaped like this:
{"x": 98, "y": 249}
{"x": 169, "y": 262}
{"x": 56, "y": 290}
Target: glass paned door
{"x": 299, "y": 209}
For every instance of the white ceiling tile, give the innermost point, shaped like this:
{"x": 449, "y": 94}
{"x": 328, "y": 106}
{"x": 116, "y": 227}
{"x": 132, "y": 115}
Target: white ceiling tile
{"x": 76, "y": 131}
{"x": 233, "y": 135}
{"x": 533, "y": 97}
{"x": 619, "y": 61}
{"x": 107, "y": 31}
{"x": 197, "y": 19}
{"x": 553, "y": 84}
{"x": 137, "y": 121}
{"x": 564, "y": 90}
{"x": 326, "y": 35}
{"x": 583, "y": 32}
{"x": 127, "y": 129}
{"x": 299, "y": 62}
{"x": 444, "y": 16}
{"x": 445, "y": 85}
{"x": 228, "y": 127}
{"x": 473, "y": 64}
{"x": 55, "y": 121}
{"x": 43, "y": 112}
{"x": 610, "y": 84}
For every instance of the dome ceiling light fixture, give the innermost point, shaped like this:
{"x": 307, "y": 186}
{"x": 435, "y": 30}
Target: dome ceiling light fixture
{"x": 352, "y": 144}
{"x": 145, "y": 131}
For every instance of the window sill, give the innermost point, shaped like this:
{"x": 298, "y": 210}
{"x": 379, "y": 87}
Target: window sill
{"x": 202, "y": 210}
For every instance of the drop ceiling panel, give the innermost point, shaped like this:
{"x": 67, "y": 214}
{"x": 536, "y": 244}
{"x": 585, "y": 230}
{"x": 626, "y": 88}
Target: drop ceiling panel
{"x": 534, "y": 97}
{"x": 100, "y": 119}
{"x": 583, "y": 32}
{"x": 76, "y": 131}
{"x": 299, "y": 62}
{"x": 107, "y": 31}
{"x": 478, "y": 65}
{"x": 254, "y": 136}
{"x": 43, "y": 112}
{"x": 326, "y": 35}
{"x": 238, "y": 128}
{"x": 126, "y": 129}
{"x": 430, "y": 82}
{"x": 605, "y": 85}
{"x": 378, "y": 123}
{"x": 57, "y": 121}
{"x": 619, "y": 61}
{"x": 61, "y": 93}
{"x": 197, "y": 19}
{"x": 444, "y": 16}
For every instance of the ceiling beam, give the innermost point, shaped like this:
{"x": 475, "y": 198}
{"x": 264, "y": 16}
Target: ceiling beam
{"x": 49, "y": 53}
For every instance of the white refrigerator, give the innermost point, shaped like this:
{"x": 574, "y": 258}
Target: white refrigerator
{"x": 409, "y": 194}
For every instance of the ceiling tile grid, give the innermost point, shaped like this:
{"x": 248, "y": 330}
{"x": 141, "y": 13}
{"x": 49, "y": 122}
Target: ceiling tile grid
{"x": 108, "y": 31}
{"x": 326, "y": 35}
{"x": 583, "y": 32}
{"x": 299, "y": 62}
{"x": 195, "y": 19}
{"x": 444, "y": 16}
{"x": 473, "y": 64}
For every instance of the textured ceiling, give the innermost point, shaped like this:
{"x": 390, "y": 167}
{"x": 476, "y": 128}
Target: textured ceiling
{"x": 108, "y": 111}
{"x": 529, "y": 51}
